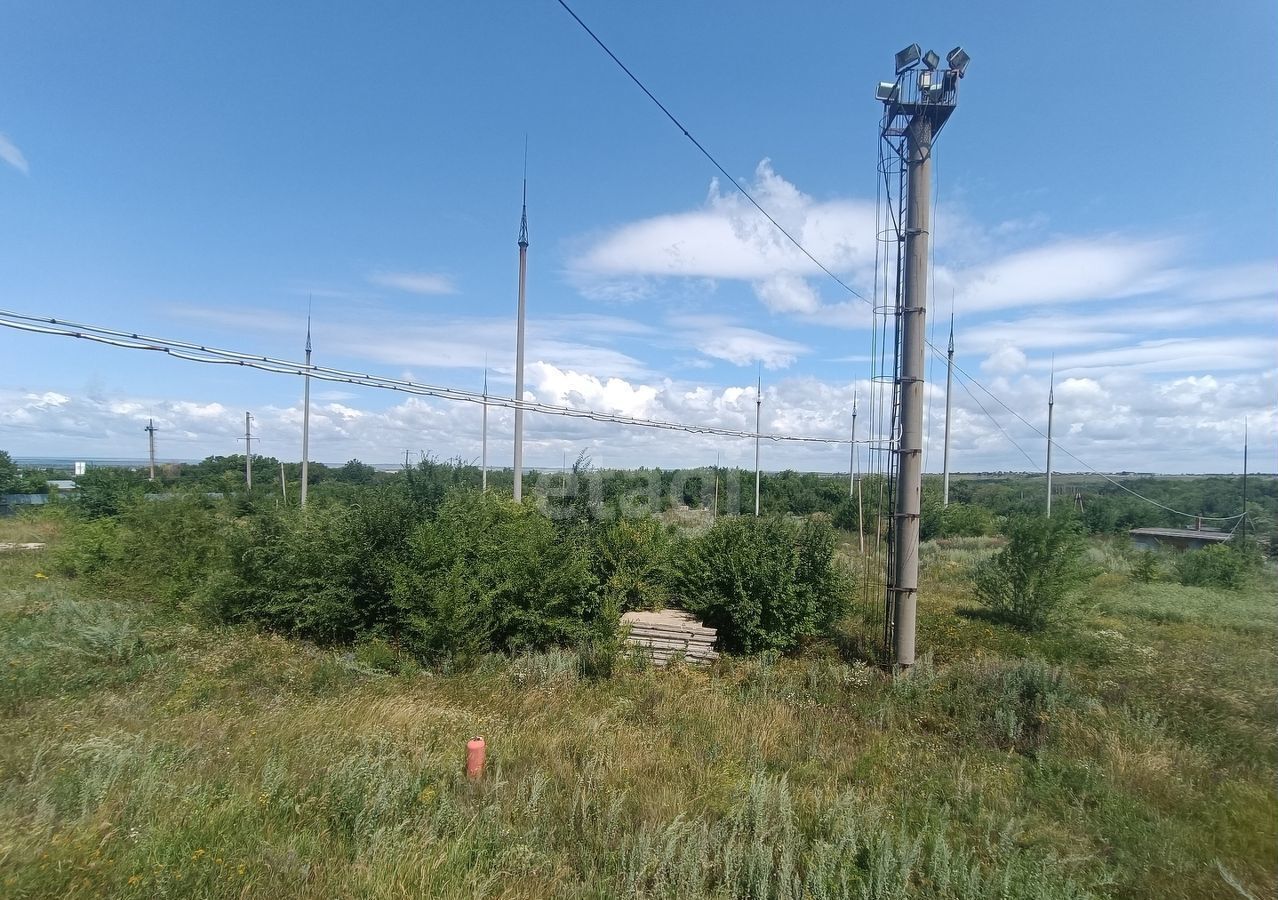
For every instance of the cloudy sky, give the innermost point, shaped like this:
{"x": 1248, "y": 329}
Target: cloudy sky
{"x": 1105, "y": 202}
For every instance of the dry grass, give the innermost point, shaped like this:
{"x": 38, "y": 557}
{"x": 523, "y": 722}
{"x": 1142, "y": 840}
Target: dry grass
{"x": 143, "y": 756}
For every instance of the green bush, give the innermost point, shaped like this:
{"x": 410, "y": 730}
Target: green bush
{"x": 633, "y": 563}
{"x": 1145, "y": 566}
{"x": 764, "y": 583}
{"x": 490, "y": 574}
{"x": 1030, "y": 582}
{"x": 160, "y": 548}
{"x": 324, "y": 572}
{"x": 1221, "y": 565}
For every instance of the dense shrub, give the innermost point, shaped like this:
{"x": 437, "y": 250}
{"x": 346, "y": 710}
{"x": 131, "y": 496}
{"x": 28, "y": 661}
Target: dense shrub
{"x": 161, "y": 548}
{"x": 1145, "y": 566}
{"x": 1221, "y": 565}
{"x": 489, "y": 574}
{"x": 1030, "y": 582}
{"x": 764, "y": 583}
{"x": 633, "y": 563}
{"x": 324, "y": 572}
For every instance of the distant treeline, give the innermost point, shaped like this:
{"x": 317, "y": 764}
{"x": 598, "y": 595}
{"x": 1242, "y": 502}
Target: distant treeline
{"x": 976, "y": 503}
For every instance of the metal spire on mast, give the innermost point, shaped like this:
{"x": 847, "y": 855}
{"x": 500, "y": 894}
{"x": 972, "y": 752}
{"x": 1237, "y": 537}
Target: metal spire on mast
{"x": 519, "y": 338}
{"x": 306, "y": 411}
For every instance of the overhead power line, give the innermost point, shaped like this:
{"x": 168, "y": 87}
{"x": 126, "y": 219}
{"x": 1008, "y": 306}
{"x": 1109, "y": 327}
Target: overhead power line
{"x": 714, "y": 162}
{"x": 855, "y": 293}
{"x": 203, "y": 353}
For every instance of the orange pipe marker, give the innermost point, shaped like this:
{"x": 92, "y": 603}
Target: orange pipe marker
{"x": 475, "y": 753}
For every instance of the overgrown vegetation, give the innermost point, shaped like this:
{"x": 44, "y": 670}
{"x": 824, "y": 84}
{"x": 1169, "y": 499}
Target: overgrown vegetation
{"x": 1131, "y": 755}
{"x": 1031, "y": 582}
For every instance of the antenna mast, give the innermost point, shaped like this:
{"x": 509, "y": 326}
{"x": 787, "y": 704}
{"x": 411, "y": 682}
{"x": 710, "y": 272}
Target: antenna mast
{"x": 306, "y": 412}
{"x": 519, "y": 338}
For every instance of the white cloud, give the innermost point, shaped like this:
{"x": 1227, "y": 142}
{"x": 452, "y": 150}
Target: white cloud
{"x": 414, "y": 282}
{"x": 1005, "y": 361}
{"x": 10, "y": 153}
{"x": 787, "y": 292}
{"x": 721, "y": 339}
{"x": 1068, "y": 271}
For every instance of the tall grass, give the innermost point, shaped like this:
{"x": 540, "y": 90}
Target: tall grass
{"x": 144, "y": 756}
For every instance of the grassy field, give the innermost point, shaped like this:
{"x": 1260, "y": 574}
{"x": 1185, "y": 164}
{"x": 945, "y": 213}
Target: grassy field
{"x": 1133, "y": 755}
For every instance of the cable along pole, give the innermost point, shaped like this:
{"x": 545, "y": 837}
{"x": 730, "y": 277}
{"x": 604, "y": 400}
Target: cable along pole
{"x": 915, "y": 108}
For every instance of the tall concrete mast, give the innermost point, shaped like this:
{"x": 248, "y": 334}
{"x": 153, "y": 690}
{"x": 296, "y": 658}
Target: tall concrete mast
{"x": 306, "y": 416}
{"x": 949, "y": 386}
{"x": 150, "y": 433}
{"x": 519, "y": 342}
{"x": 916, "y": 107}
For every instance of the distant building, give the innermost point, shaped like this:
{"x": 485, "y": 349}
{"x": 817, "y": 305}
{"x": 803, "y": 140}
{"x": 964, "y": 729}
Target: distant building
{"x": 1177, "y": 538}
{"x": 61, "y": 484}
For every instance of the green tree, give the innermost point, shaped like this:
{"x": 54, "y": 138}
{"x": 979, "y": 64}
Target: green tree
{"x": 10, "y": 476}
{"x": 1031, "y": 581}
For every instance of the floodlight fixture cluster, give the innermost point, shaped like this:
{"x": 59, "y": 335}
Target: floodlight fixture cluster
{"x": 932, "y": 84}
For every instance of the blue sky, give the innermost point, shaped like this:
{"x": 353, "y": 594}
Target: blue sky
{"x": 1105, "y": 196}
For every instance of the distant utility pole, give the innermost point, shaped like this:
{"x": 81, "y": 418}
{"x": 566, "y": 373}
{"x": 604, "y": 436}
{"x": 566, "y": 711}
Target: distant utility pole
{"x": 758, "y": 416}
{"x": 854, "y": 483}
{"x": 1243, "y": 523}
{"x": 283, "y": 484}
{"x": 150, "y": 433}
{"x": 852, "y": 451}
{"x": 1051, "y": 402}
{"x": 306, "y": 416}
{"x": 519, "y": 340}
{"x": 248, "y": 451}
{"x": 949, "y": 386}
{"x": 915, "y": 107}
{"x": 483, "y": 445}
{"x": 714, "y": 517}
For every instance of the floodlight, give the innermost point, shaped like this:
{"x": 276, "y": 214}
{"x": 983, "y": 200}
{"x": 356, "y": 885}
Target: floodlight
{"x": 926, "y": 80}
{"x": 905, "y": 59}
{"x": 931, "y": 59}
{"x": 958, "y": 60}
{"x": 887, "y": 90}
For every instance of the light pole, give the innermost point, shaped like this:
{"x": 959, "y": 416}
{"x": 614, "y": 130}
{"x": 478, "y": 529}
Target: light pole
{"x": 915, "y": 108}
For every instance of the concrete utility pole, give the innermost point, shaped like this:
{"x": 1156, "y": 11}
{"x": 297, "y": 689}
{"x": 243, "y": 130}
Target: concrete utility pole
{"x": 306, "y": 417}
{"x": 150, "y": 433}
{"x": 714, "y": 517}
{"x": 758, "y": 415}
{"x": 852, "y": 451}
{"x": 949, "y": 386}
{"x": 519, "y": 342}
{"x": 916, "y": 106}
{"x": 483, "y": 442}
{"x": 1243, "y": 521}
{"x": 248, "y": 451}
{"x": 1051, "y": 402}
